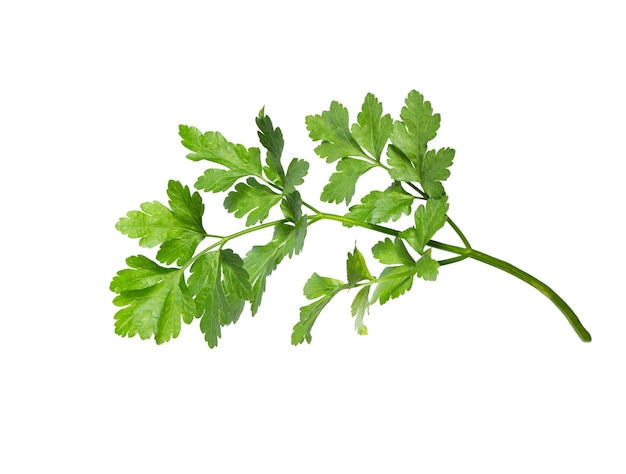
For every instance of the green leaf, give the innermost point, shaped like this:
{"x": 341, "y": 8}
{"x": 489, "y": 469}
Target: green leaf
{"x": 210, "y": 299}
{"x": 296, "y": 172}
{"x": 187, "y": 207}
{"x": 254, "y": 198}
{"x": 392, "y": 252}
{"x": 393, "y": 282}
{"x": 429, "y": 219}
{"x": 154, "y": 300}
{"x": 333, "y": 129}
{"x": 320, "y": 287}
{"x": 356, "y": 268}
{"x": 220, "y": 285}
{"x": 419, "y": 126}
{"x": 217, "y": 180}
{"x": 179, "y": 229}
{"x": 359, "y": 306}
{"x": 308, "y": 316}
{"x": 402, "y": 168}
{"x": 178, "y": 250}
{"x": 154, "y": 224}
{"x": 291, "y": 236}
{"x": 435, "y": 169}
{"x": 143, "y": 273}
{"x": 343, "y": 182}
{"x": 410, "y": 137}
{"x": 262, "y": 260}
{"x": 382, "y": 206}
{"x": 404, "y": 146}
{"x": 291, "y": 206}
{"x": 235, "y": 275}
{"x": 427, "y": 267}
{"x": 212, "y": 146}
{"x": 317, "y": 286}
{"x": 272, "y": 139}
{"x": 373, "y": 129}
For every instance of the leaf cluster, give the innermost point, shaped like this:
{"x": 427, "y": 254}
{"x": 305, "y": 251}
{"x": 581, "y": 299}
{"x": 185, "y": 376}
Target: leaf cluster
{"x": 215, "y": 284}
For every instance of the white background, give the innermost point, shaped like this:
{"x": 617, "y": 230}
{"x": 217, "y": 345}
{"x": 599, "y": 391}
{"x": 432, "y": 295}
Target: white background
{"x": 476, "y": 372}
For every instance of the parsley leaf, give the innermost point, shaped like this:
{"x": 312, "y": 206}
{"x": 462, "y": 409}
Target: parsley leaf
{"x": 308, "y": 316}
{"x": 393, "y": 282}
{"x": 359, "y": 306}
{"x": 178, "y": 230}
{"x": 357, "y": 271}
{"x": 236, "y": 277}
{"x": 212, "y": 146}
{"x": 409, "y": 140}
{"x": 381, "y": 206}
{"x": 220, "y": 285}
{"x": 371, "y": 133}
{"x": 272, "y": 139}
{"x": 155, "y": 299}
{"x": 356, "y": 268}
{"x": 402, "y": 167}
{"x": 429, "y": 172}
{"x": 291, "y": 206}
{"x": 154, "y": 224}
{"x": 210, "y": 299}
{"x": 290, "y": 237}
{"x": 324, "y": 289}
{"x": 342, "y": 184}
{"x": 373, "y": 129}
{"x": 217, "y": 180}
{"x": 296, "y": 172}
{"x": 320, "y": 287}
{"x": 254, "y": 198}
{"x": 429, "y": 219}
{"x": 427, "y": 267}
{"x": 333, "y": 129}
{"x": 262, "y": 260}
{"x": 435, "y": 169}
{"x": 418, "y": 126}
{"x": 392, "y": 252}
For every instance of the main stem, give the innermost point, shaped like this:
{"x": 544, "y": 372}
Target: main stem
{"x": 468, "y": 252}
{"x": 539, "y": 285}
{"x": 548, "y": 292}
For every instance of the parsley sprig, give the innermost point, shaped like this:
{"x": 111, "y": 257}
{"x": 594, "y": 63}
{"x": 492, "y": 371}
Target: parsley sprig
{"x": 215, "y": 284}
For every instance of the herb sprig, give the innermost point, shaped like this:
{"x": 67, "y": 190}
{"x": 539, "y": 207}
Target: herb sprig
{"x": 215, "y": 284}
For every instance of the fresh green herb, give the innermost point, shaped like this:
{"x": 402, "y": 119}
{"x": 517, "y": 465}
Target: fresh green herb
{"x": 215, "y": 284}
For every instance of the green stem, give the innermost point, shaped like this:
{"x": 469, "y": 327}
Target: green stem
{"x": 220, "y": 243}
{"x": 544, "y": 289}
{"x": 308, "y": 206}
{"x": 459, "y": 233}
{"x": 448, "y": 261}
{"x": 355, "y": 222}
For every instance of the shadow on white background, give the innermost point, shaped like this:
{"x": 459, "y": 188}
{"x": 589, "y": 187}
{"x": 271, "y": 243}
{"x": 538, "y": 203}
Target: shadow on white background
{"x": 476, "y": 372}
